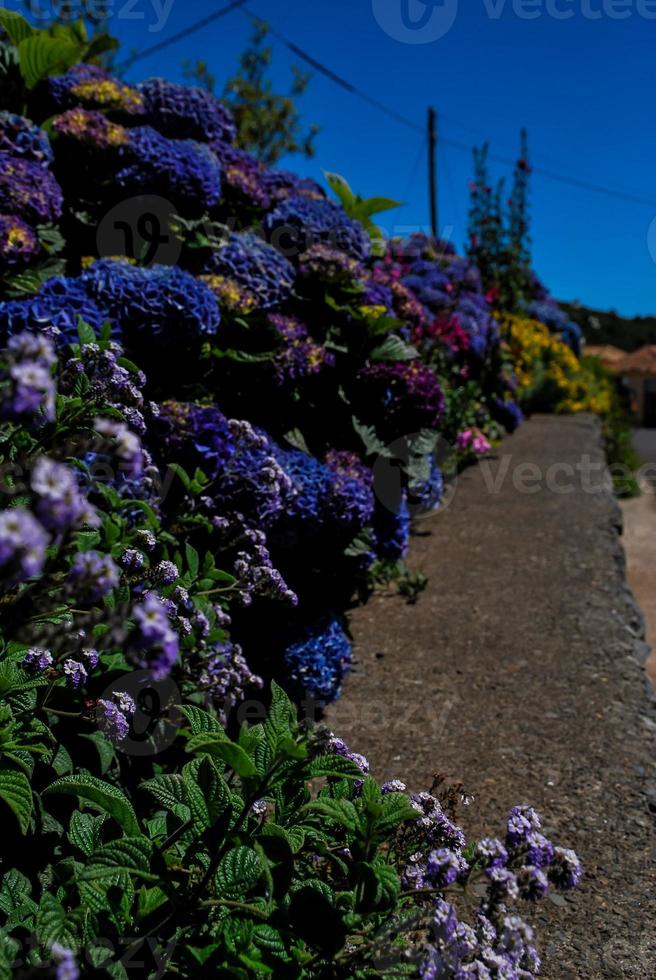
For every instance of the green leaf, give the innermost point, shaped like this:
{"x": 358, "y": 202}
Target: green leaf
{"x": 238, "y": 872}
{"x": 129, "y": 854}
{"x": 169, "y": 789}
{"x": 293, "y": 835}
{"x": 84, "y": 831}
{"x": 341, "y": 188}
{"x": 15, "y": 891}
{"x": 333, "y": 765}
{"x": 40, "y": 56}
{"x": 16, "y": 792}
{"x": 55, "y": 925}
{"x": 375, "y": 205}
{"x": 100, "y": 794}
{"x": 221, "y": 747}
{"x": 394, "y": 349}
{"x": 341, "y": 812}
{"x": 201, "y": 722}
{"x": 296, "y": 439}
{"x": 16, "y": 27}
{"x": 208, "y": 793}
{"x": 192, "y": 559}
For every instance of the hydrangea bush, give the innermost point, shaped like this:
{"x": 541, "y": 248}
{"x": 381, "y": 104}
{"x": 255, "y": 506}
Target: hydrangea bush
{"x": 190, "y": 500}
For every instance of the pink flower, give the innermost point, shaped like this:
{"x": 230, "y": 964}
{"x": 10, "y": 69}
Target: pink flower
{"x": 473, "y": 440}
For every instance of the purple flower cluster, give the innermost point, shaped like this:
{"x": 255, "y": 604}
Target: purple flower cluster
{"x": 94, "y": 88}
{"x": 186, "y": 112}
{"x": 161, "y": 303}
{"x": 508, "y": 413}
{"x": 247, "y": 274}
{"x": 60, "y": 506}
{"x": 224, "y": 676}
{"x": 27, "y": 387}
{"x": 110, "y": 385}
{"x": 23, "y": 543}
{"x": 318, "y": 662}
{"x": 29, "y": 190}
{"x": 391, "y": 529}
{"x": 183, "y": 172}
{"x": 22, "y": 138}
{"x": 154, "y": 643}
{"x": 114, "y": 716}
{"x": 299, "y": 357}
{"x": 326, "y": 265}
{"x": 405, "y": 396}
{"x": 19, "y": 244}
{"x": 92, "y": 575}
{"x": 283, "y": 184}
{"x": 91, "y": 128}
{"x": 242, "y": 175}
{"x": 299, "y": 222}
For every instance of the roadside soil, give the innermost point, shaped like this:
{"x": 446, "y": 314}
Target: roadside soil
{"x": 520, "y": 673}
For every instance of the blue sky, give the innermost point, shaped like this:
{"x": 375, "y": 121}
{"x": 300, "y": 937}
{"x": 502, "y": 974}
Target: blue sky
{"x": 582, "y": 85}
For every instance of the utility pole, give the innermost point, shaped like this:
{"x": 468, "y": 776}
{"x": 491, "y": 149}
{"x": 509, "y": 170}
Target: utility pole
{"x": 432, "y": 169}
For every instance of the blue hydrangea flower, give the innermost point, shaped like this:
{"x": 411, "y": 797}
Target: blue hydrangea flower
{"x": 243, "y": 176}
{"x": 508, "y": 413}
{"x": 248, "y": 274}
{"x": 297, "y": 223}
{"x": 19, "y": 244}
{"x": 186, "y": 111}
{"x": 392, "y": 531}
{"x": 22, "y": 138}
{"x": 318, "y": 662}
{"x": 281, "y": 184}
{"x": 184, "y": 172}
{"x": 327, "y": 499}
{"x": 161, "y": 302}
{"x": 53, "y": 311}
{"x": 426, "y": 495}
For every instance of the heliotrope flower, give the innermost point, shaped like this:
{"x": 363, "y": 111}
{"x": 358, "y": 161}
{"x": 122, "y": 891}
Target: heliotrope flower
{"x": 184, "y": 172}
{"x": 154, "y": 642}
{"x": 298, "y": 222}
{"x": 60, "y": 504}
{"x": 318, "y": 662}
{"x": 92, "y": 575}
{"x": 125, "y": 446}
{"x": 248, "y": 274}
{"x": 22, "y": 138}
{"x": 66, "y": 965}
{"x": 23, "y": 542}
{"x": 19, "y": 243}
{"x": 160, "y": 303}
{"x": 90, "y": 127}
{"x": 37, "y": 658}
{"x": 224, "y": 676}
{"x": 186, "y": 111}
{"x": 114, "y": 715}
{"x": 28, "y": 190}
{"x": 94, "y": 88}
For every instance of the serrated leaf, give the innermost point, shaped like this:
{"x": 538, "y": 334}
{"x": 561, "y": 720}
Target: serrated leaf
{"x": 15, "y": 890}
{"x": 100, "y": 794}
{"x": 341, "y": 812}
{"x": 294, "y": 836}
{"x": 238, "y": 872}
{"x": 169, "y": 789}
{"x": 208, "y": 793}
{"x": 55, "y": 925}
{"x": 333, "y": 765}
{"x": 84, "y": 831}
{"x": 201, "y": 722}
{"x": 129, "y": 854}
{"x": 16, "y": 792}
{"x": 220, "y": 747}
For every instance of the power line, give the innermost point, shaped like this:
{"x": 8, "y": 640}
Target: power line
{"x": 185, "y": 32}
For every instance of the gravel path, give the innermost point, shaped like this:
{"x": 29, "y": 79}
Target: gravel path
{"x": 520, "y": 673}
